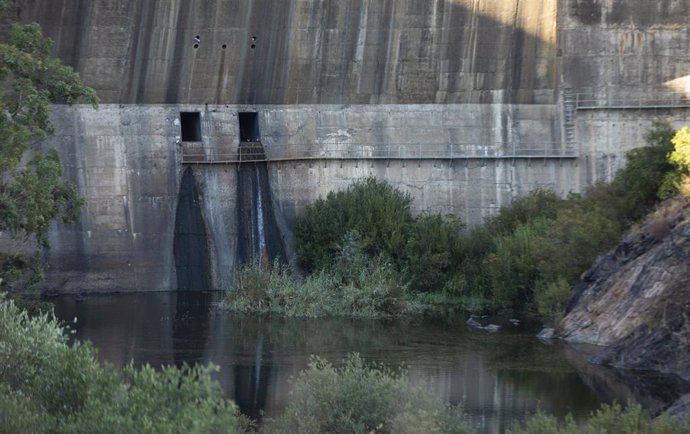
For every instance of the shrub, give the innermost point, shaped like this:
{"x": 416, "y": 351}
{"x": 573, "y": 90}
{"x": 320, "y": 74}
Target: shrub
{"x": 429, "y": 251}
{"x": 20, "y": 271}
{"x": 50, "y": 386}
{"x": 678, "y": 180}
{"x": 611, "y": 419}
{"x": 551, "y": 297}
{"x": 361, "y": 398}
{"x": 574, "y": 239}
{"x": 470, "y": 253}
{"x": 537, "y": 204}
{"x": 513, "y": 267}
{"x": 378, "y": 212}
{"x": 353, "y": 286}
{"x": 639, "y": 181}
{"x": 18, "y": 414}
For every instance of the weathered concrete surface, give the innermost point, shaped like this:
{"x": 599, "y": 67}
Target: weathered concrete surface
{"x": 636, "y": 298}
{"x": 623, "y": 51}
{"x": 306, "y": 51}
{"x": 126, "y": 161}
{"x": 126, "y": 164}
{"x": 621, "y": 61}
{"x": 604, "y": 136}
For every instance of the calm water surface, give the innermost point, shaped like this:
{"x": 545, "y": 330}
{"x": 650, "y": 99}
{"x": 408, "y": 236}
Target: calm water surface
{"x": 499, "y": 377}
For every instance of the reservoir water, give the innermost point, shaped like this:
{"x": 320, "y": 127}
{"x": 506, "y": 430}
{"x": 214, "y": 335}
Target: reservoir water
{"x": 499, "y": 378}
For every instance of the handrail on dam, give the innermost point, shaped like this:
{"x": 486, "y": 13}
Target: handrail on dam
{"x": 344, "y": 152}
{"x": 641, "y": 101}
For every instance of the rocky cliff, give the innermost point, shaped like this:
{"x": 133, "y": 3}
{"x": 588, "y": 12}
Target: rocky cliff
{"x": 635, "y": 300}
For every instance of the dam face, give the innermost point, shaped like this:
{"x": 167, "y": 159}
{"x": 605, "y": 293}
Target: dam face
{"x": 465, "y": 104}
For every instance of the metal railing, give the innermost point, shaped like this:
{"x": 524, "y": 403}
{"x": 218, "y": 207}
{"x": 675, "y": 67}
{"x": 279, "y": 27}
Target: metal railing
{"x": 640, "y": 101}
{"x": 350, "y": 151}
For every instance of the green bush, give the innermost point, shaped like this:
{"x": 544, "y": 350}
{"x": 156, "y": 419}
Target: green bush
{"x": 18, "y": 414}
{"x": 638, "y": 183}
{"x": 470, "y": 254}
{"x": 513, "y": 267}
{"x": 534, "y": 245}
{"x": 574, "y": 239}
{"x": 355, "y": 285}
{"x": 49, "y": 386}
{"x": 378, "y": 212}
{"x": 20, "y": 271}
{"x": 606, "y": 420}
{"x": 551, "y": 297}
{"x": 538, "y": 204}
{"x": 431, "y": 250}
{"x": 361, "y": 398}
{"x": 678, "y": 180}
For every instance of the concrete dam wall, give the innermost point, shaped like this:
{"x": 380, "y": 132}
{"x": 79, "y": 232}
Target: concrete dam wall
{"x": 306, "y": 51}
{"x": 465, "y": 104}
{"x": 130, "y": 163}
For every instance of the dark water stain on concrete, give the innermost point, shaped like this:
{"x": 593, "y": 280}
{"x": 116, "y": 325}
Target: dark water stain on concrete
{"x": 190, "y": 246}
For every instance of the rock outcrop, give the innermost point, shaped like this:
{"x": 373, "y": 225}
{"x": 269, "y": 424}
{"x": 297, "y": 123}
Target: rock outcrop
{"x": 635, "y": 300}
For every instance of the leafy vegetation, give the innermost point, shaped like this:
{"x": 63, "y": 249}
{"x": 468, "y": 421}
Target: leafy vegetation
{"x": 612, "y": 419}
{"x": 678, "y": 180}
{"x": 421, "y": 250}
{"x": 355, "y": 285}
{"x": 430, "y": 250}
{"x": 376, "y": 211}
{"x": 33, "y": 192}
{"x": 49, "y": 386}
{"x": 524, "y": 259}
{"x": 361, "y": 398}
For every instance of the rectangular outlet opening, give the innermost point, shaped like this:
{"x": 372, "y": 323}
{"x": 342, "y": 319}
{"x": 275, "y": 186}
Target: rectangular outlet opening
{"x": 190, "y": 124}
{"x": 249, "y": 127}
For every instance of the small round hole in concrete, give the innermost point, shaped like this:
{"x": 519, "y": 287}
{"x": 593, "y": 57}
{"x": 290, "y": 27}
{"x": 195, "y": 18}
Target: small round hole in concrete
{"x": 224, "y": 46}
{"x": 253, "y": 46}
{"x": 196, "y": 45}
{"x": 253, "y": 38}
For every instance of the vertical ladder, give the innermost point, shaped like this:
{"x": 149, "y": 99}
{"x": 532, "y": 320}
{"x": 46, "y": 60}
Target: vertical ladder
{"x": 569, "y": 110}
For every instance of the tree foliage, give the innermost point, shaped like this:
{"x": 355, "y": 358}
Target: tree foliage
{"x": 524, "y": 258}
{"x": 361, "y": 398}
{"x": 33, "y": 192}
{"x": 609, "y": 419}
{"x": 639, "y": 181}
{"x": 678, "y": 180}
{"x": 49, "y": 386}
{"x": 375, "y": 210}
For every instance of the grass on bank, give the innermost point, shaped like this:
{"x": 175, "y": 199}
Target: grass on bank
{"x": 355, "y": 285}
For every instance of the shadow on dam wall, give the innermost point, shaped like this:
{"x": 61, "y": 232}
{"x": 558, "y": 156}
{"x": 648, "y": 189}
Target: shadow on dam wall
{"x": 190, "y": 245}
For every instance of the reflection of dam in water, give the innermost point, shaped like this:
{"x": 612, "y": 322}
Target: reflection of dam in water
{"x": 499, "y": 378}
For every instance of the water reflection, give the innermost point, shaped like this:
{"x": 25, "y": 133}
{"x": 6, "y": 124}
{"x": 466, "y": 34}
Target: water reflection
{"x": 499, "y": 378}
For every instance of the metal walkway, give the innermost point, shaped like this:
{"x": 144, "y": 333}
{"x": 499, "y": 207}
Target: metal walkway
{"x": 246, "y": 152}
